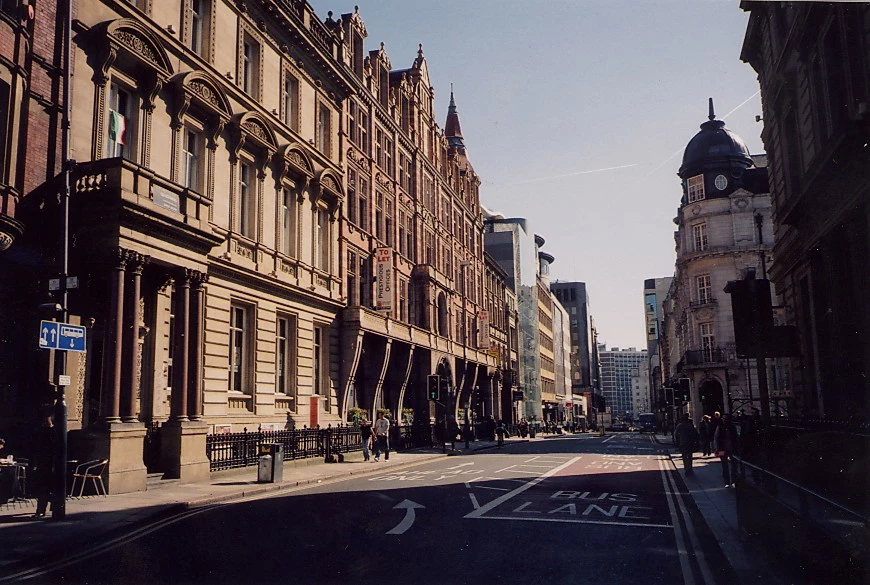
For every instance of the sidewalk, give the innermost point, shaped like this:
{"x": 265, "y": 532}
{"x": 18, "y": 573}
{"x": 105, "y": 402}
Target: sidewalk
{"x": 92, "y": 518}
{"x": 718, "y": 505}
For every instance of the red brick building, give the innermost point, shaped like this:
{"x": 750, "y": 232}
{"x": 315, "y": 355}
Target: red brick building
{"x": 31, "y": 88}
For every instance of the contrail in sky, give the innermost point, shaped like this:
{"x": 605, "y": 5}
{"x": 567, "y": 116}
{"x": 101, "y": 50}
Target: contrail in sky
{"x": 667, "y": 160}
{"x": 574, "y": 174}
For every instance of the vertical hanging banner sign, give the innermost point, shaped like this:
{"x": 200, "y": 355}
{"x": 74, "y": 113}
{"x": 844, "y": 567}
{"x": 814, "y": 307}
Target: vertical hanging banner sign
{"x": 384, "y": 279}
{"x": 483, "y": 329}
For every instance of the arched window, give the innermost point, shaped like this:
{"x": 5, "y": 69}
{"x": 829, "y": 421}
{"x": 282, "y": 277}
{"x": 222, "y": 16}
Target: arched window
{"x": 131, "y": 69}
{"x": 443, "y": 321}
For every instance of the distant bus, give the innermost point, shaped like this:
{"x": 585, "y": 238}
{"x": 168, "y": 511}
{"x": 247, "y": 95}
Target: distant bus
{"x": 646, "y": 422}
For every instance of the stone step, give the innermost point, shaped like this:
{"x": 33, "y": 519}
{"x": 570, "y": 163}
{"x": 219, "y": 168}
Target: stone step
{"x": 156, "y": 481}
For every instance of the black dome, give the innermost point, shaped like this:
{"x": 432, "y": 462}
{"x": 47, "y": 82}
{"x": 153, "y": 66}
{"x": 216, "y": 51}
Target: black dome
{"x": 715, "y": 146}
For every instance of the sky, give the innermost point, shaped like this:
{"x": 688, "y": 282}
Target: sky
{"x": 576, "y": 114}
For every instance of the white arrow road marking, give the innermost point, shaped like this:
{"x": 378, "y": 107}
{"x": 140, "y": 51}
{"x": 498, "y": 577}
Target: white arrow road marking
{"x": 474, "y": 501}
{"x": 410, "y": 516}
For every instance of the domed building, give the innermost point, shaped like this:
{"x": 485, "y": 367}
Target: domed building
{"x": 724, "y": 232}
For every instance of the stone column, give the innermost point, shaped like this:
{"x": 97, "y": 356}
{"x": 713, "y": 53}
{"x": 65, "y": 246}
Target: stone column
{"x": 113, "y": 340}
{"x": 183, "y": 436}
{"x": 197, "y": 320}
{"x": 119, "y": 441}
{"x": 130, "y": 378}
{"x": 178, "y": 404}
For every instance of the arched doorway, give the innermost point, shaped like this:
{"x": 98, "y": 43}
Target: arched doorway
{"x": 711, "y": 397}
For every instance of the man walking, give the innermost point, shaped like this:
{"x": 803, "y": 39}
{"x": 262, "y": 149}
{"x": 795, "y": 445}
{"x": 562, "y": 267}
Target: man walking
{"x": 687, "y": 437}
{"x": 382, "y": 442}
{"x": 705, "y": 430}
{"x": 365, "y": 433}
{"x": 726, "y": 444}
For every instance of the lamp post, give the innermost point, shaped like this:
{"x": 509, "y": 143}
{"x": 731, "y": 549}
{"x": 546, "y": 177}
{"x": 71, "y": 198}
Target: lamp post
{"x": 58, "y": 505}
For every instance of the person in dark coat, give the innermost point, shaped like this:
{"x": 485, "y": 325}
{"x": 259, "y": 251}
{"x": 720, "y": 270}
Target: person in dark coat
{"x": 365, "y": 433}
{"x": 705, "y": 433}
{"x": 42, "y": 464}
{"x": 686, "y": 437}
{"x": 726, "y": 443}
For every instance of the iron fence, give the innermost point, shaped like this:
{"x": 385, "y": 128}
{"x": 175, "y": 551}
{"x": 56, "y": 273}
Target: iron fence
{"x": 235, "y": 450}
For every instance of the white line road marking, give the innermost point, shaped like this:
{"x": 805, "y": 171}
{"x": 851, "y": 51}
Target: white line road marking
{"x": 410, "y": 515}
{"x": 688, "y": 577}
{"x": 460, "y": 465}
{"x": 474, "y": 501}
{"x": 487, "y": 487}
{"x": 690, "y": 529}
{"x": 610, "y": 438}
{"x": 541, "y": 519}
{"x": 498, "y": 501}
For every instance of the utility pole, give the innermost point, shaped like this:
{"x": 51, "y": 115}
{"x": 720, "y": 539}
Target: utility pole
{"x": 760, "y": 360}
{"x": 58, "y": 506}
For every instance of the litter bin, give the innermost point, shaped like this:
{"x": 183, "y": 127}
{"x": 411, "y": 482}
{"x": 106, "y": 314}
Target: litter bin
{"x": 271, "y": 467}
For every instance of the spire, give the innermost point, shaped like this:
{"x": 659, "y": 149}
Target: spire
{"x": 452, "y": 130}
{"x": 712, "y": 115}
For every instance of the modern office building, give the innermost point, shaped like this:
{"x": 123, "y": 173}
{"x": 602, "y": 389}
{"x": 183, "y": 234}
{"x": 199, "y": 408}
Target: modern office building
{"x": 514, "y": 249}
{"x": 573, "y": 296}
{"x": 620, "y": 379}
{"x": 654, "y": 292}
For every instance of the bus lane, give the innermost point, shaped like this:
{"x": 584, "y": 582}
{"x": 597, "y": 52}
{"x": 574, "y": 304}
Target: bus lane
{"x": 598, "y": 488}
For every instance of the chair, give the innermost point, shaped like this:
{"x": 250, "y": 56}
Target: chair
{"x": 90, "y": 470}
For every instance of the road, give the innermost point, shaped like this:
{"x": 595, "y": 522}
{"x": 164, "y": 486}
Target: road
{"x": 579, "y": 509}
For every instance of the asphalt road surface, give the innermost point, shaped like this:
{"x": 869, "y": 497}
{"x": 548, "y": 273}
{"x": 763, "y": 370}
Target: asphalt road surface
{"x": 579, "y": 509}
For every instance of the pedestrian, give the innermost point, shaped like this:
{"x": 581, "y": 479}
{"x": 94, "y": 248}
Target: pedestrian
{"x": 382, "y": 441}
{"x": 365, "y": 433}
{"x": 706, "y": 436}
{"x": 524, "y": 427}
{"x": 42, "y": 460}
{"x": 686, "y": 437}
{"x": 726, "y": 442}
{"x": 500, "y": 432}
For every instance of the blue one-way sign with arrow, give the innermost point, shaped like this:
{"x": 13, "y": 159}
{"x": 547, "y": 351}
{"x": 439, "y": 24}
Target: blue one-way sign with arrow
{"x": 62, "y": 336}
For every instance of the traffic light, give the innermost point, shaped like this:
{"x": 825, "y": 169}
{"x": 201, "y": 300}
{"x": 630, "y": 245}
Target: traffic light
{"x": 684, "y": 389}
{"x": 433, "y": 383}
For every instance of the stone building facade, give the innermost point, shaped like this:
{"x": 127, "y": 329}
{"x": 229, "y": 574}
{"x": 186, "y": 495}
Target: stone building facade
{"x": 267, "y": 226}
{"x": 413, "y": 217}
{"x": 724, "y": 233}
{"x": 813, "y": 64}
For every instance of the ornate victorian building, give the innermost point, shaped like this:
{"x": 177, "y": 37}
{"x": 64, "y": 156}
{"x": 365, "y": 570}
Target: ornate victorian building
{"x": 723, "y": 233}
{"x": 417, "y": 291}
{"x": 267, "y": 229}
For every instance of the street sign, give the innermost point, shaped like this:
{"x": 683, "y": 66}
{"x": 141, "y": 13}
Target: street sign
{"x": 62, "y": 336}
{"x": 519, "y": 395}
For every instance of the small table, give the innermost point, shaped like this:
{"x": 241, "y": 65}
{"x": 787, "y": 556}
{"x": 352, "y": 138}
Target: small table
{"x": 10, "y": 488}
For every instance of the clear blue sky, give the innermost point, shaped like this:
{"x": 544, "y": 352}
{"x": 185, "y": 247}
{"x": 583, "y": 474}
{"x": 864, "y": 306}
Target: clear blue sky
{"x": 576, "y": 114}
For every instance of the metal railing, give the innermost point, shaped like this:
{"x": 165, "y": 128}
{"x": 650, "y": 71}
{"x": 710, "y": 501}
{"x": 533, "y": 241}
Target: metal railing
{"x": 697, "y": 357}
{"x": 846, "y": 526}
{"x": 235, "y": 450}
